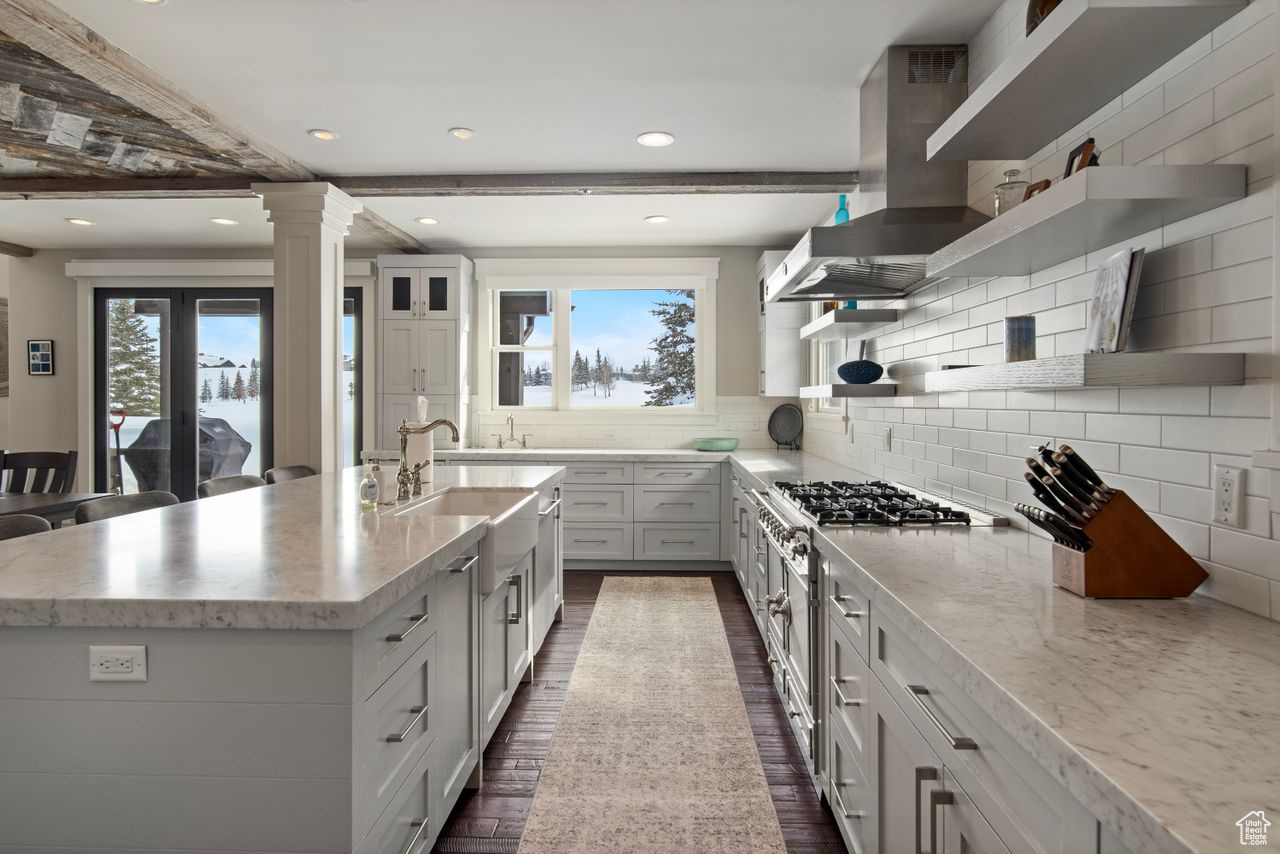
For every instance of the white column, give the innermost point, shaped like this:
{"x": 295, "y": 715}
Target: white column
{"x": 310, "y": 222}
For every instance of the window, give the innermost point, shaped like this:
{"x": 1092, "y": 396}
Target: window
{"x": 825, "y": 357}
{"x": 583, "y": 341}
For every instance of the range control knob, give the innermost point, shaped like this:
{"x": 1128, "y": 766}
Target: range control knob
{"x": 799, "y": 550}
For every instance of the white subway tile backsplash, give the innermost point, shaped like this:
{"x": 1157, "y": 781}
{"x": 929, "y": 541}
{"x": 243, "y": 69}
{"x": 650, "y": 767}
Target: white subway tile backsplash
{"x": 1089, "y": 400}
{"x": 1242, "y": 321}
{"x": 1241, "y": 589}
{"x": 1174, "y": 400}
{"x": 1216, "y": 433}
{"x": 1161, "y": 464}
{"x": 1008, "y": 421}
{"x": 1250, "y": 242}
{"x": 1059, "y": 425}
{"x": 1258, "y": 555}
{"x": 1245, "y": 401}
{"x": 1124, "y": 429}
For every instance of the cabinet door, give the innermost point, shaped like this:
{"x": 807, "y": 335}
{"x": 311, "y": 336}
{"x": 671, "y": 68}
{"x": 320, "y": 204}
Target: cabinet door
{"x": 905, "y": 772}
{"x": 404, "y": 407}
{"x": 960, "y": 823}
{"x": 401, "y": 357}
{"x": 493, "y": 659}
{"x": 546, "y": 572}
{"x": 519, "y": 642}
{"x": 438, "y": 354}
{"x": 457, "y": 680}
{"x": 735, "y": 526}
{"x": 439, "y": 292}
{"x": 398, "y": 293}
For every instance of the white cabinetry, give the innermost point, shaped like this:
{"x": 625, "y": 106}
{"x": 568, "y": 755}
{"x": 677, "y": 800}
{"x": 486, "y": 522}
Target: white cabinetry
{"x": 784, "y": 358}
{"x": 505, "y": 650}
{"x": 425, "y": 326}
{"x": 548, "y": 579}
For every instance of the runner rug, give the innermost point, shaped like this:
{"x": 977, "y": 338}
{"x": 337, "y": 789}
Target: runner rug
{"x": 653, "y": 750}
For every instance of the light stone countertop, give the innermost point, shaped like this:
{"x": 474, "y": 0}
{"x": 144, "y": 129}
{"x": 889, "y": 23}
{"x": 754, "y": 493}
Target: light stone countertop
{"x": 569, "y": 455}
{"x": 297, "y": 555}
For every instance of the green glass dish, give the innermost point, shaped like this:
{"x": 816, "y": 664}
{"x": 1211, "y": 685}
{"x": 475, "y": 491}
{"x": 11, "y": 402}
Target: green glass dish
{"x": 715, "y": 443}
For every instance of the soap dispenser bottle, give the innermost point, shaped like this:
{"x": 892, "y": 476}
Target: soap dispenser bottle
{"x": 369, "y": 483}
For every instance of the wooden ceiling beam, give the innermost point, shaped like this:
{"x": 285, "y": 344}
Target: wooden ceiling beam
{"x": 47, "y": 29}
{"x": 13, "y": 250}
{"x": 598, "y": 184}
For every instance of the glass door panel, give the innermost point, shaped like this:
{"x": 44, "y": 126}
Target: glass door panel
{"x": 351, "y": 367}
{"x": 231, "y": 392}
{"x": 137, "y": 405}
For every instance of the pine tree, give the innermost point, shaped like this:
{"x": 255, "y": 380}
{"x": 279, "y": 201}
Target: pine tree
{"x": 238, "y": 390}
{"x": 597, "y": 371}
{"x": 607, "y": 377}
{"x": 675, "y": 368}
{"x": 224, "y": 386}
{"x": 581, "y": 371}
{"x": 206, "y": 391}
{"x": 254, "y": 388}
{"x": 134, "y": 357}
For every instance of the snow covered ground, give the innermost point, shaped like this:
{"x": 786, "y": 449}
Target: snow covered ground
{"x": 627, "y": 394}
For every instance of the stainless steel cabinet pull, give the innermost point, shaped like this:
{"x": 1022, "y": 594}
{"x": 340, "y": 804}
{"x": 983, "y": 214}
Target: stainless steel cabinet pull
{"x": 923, "y": 773}
{"x": 675, "y": 503}
{"x": 675, "y": 474}
{"x": 517, "y": 581}
{"x": 421, "y": 824}
{"x": 593, "y": 472}
{"x": 576, "y": 540}
{"x": 840, "y": 697}
{"x": 835, "y": 602}
{"x": 958, "y": 742}
{"x": 742, "y": 522}
{"x": 938, "y": 798}
{"x": 471, "y": 562}
{"x": 551, "y": 508}
{"x": 416, "y": 620}
{"x": 417, "y": 712}
{"x": 855, "y": 814}
{"x": 590, "y": 503}
{"x": 676, "y": 542}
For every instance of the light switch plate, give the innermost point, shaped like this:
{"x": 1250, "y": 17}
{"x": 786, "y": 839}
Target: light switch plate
{"x": 1228, "y": 495}
{"x": 117, "y": 664}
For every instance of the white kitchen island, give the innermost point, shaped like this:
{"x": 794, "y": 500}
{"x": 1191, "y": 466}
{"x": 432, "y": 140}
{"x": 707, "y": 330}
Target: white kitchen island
{"x": 315, "y": 674}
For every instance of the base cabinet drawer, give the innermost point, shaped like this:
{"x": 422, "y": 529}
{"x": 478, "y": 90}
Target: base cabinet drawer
{"x": 677, "y": 504}
{"x": 396, "y": 725}
{"x": 597, "y": 540}
{"x": 847, "y": 607}
{"x": 408, "y": 827}
{"x": 605, "y": 472}
{"x": 596, "y": 503}
{"x": 395, "y": 634}
{"x": 678, "y": 474}
{"x": 677, "y": 542}
{"x": 848, "y": 791}
{"x": 848, "y": 690}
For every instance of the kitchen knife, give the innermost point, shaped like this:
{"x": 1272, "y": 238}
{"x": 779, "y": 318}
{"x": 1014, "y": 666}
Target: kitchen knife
{"x": 1082, "y": 466}
{"x": 1065, "y": 498}
{"x": 1029, "y": 513}
{"x": 1046, "y": 497}
{"x": 1071, "y": 465}
{"x": 1082, "y": 492}
{"x": 1070, "y": 534}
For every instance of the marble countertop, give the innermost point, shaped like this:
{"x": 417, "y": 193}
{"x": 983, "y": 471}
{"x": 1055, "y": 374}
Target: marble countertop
{"x": 628, "y": 455}
{"x": 298, "y": 555}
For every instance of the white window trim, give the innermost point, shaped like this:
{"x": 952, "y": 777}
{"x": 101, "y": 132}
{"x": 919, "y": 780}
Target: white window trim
{"x": 556, "y": 274}
{"x": 838, "y": 413}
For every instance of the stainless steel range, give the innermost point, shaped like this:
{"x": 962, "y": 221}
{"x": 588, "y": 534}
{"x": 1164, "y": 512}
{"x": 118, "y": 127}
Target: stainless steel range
{"x": 788, "y": 513}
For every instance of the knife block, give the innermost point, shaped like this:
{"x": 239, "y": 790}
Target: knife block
{"x": 1132, "y": 558}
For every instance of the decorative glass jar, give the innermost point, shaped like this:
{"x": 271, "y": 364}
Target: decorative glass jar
{"x": 1009, "y": 194}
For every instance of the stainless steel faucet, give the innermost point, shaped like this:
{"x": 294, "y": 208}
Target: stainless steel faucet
{"x": 511, "y": 427}
{"x": 404, "y": 477}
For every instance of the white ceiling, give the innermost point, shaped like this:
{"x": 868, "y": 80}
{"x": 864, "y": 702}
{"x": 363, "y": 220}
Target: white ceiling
{"x": 466, "y": 223}
{"x": 548, "y": 85}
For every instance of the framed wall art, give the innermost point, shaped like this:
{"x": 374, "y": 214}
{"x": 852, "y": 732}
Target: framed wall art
{"x": 40, "y": 358}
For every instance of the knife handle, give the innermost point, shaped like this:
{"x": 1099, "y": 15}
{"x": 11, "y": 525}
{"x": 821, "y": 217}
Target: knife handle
{"x": 1078, "y": 511}
{"x": 1044, "y": 495}
{"x": 1085, "y": 468}
{"x": 1082, "y": 493}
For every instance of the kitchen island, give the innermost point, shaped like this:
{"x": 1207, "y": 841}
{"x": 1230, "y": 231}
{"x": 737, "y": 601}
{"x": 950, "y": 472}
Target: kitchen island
{"x": 313, "y": 676}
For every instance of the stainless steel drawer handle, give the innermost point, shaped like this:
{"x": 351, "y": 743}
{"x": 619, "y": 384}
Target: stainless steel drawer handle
{"x": 837, "y": 603}
{"x": 517, "y": 581}
{"x": 840, "y": 697}
{"x": 417, "y": 712}
{"x": 601, "y": 542}
{"x": 421, "y": 824}
{"x": 675, "y": 474}
{"x": 845, "y": 811}
{"x": 470, "y": 564}
{"x": 676, "y": 542}
{"x": 590, "y": 503}
{"x": 415, "y": 621}
{"x": 551, "y": 508}
{"x": 675, "y": 503}
{"x": 601, "y": 473}
{"x": 923, "y": 773}
{"x": 958, "y": 742}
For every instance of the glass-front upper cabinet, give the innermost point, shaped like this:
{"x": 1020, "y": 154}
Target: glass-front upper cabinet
{"x": 411, "y": 293}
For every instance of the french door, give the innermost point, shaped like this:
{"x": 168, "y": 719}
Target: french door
{"x": 183, "y": 387}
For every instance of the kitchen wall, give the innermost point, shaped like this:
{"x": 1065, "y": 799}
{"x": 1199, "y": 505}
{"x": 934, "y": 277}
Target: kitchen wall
{"x": 1207, "y": 286}
{"x": 740, "y": 412}
{"x": 4, "y": 401}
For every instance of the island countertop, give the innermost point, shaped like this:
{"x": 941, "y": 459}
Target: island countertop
{"x": 297, "y": 555}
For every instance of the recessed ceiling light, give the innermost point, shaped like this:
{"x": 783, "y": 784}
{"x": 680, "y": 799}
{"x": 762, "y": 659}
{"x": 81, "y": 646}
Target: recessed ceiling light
{"x": 75, "y": 220}
{"x": 151, "y": 2}
{"x": 655, "y": 138}
{"x": 657, "y": 219}
{"x": 223, "y": 220}
{"x": 462, "y": 133}
{"x": 321, "y": 133}
{"x": 426, "y": 220}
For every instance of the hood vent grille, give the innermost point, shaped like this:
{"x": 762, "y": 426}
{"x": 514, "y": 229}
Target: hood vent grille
{"x": 938, "y": 66}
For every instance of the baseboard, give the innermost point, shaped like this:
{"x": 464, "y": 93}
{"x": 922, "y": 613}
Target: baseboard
{"x": 648, "y": 565}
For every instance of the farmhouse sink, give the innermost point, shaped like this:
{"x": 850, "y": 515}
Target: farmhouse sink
{"x": 512, "y": 527}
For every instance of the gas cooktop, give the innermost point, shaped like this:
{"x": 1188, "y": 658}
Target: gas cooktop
{"x": 840, "y": 503}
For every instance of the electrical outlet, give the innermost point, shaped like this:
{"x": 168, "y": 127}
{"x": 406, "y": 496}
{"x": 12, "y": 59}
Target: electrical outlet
{"x": 1228, "y": 495}
{"x": 117, "y": 664}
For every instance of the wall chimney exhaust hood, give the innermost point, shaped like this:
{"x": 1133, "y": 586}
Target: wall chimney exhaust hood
{"x": 906, "y": 208}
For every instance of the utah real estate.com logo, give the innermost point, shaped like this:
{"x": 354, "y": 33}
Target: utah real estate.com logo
{"x": 1253, "y": 828}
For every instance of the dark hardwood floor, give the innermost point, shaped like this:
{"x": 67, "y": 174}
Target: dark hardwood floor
{"x": 490, "y": 821}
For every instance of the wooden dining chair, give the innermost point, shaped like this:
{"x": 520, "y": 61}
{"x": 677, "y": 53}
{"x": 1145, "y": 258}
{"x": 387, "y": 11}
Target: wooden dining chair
{"x": 122, "y": 505}
{"x": 20, "y": 524}
{"x": 230, "y": 483}
{"x": 37, "y": 471}
{"x": 281, "y": 474}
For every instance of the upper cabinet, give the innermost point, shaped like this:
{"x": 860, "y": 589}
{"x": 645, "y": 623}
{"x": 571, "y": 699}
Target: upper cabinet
{"x": 419, "y": 293}
{"x": 784, "y": 358}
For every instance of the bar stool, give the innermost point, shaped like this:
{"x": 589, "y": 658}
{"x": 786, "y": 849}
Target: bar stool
{"x": 283, "y": 474}
{"x": 20, "y": 524}
{"x": 230, "y": 483}
{"x": 123, "y": 505}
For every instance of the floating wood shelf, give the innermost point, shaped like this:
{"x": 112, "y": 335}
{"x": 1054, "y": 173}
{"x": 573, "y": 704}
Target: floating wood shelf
{"x": 1094, "y": 370}
{"x": 1085, "y": 54}
{"x": 847, "y": 323}
{"x": 1093, "y": 209}
{"x": 839, "y": 390}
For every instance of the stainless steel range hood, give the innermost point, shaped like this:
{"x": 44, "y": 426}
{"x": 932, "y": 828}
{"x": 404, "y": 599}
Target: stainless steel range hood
{"x": 906, "y": 208}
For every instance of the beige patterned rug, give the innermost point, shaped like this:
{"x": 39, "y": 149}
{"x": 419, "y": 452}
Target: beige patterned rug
{"x": 653, "y": 750}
